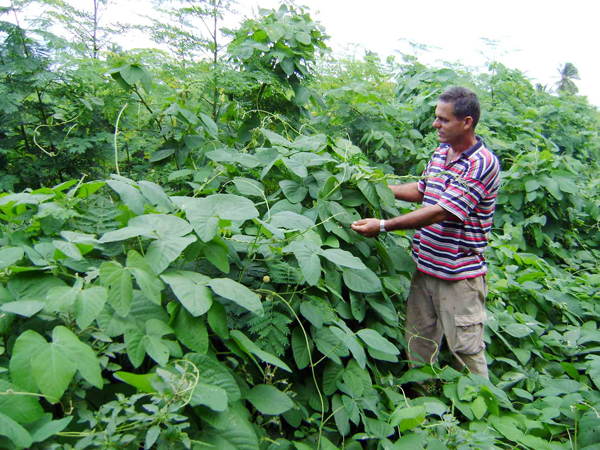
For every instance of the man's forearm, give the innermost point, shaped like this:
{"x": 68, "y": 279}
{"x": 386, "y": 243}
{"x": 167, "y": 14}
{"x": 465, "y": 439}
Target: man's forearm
{"x": 418, "y": 219}
{"x": 408, "y": 192}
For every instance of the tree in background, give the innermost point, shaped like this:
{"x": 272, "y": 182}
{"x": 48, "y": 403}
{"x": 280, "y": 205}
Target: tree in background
{"x": 566, "y": 85}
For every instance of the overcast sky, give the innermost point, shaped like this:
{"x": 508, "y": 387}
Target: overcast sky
{"x": 534, "y": 36}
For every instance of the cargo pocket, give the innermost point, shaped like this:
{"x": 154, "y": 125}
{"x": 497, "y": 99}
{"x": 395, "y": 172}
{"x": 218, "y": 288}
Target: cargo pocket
{"x": 469, "y": 333}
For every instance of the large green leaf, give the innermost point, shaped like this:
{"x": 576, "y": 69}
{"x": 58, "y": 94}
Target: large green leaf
{"x": 291, "y": 221}
{"x": 10, "y": 255}
{"x": 301, "y": 349}
{"x": 161, "y": 226}
{"x": 361, "y": 280}
{"x": 120, "y": 286}
{"x": 237, "y": 293}
{"x": 191, "y": 290}
{"x": 340, "y": 415}
{"x": 130, "y": 195}
{"x": 88, "y": 304}
{"x": 161, "y": 253}
{"x": 190, "y": 330}
{"x": 209, "y": 395}
{"x": 247, "y": 186}
{"x": 343, "y": 258}
{"x": 155, "y": 195}
{"x": 269, "y": 400}
{"x": 46, "y": 427}
{"x": 15, "y": 432}
{"x": 22, "y": 408}
{"x": 214, "y": 373}
{"x": 25, "y": 349}
{"x": 306, "y": 253}
{"x": 239, "y": 435}
{"x": 81, "y": 354}
{"x": 293, "y": 190}
{"x": 53, "y": 371}
{"x": 149, "y": 283}
{"x": 375, "y": 340}
{"x": 251, "y": 348}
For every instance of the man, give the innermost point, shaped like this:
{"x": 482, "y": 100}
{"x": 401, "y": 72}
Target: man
{"x": 458, "y": 190}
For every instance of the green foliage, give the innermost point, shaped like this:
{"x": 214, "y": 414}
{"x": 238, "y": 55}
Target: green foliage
{"x": 216, "y": 295}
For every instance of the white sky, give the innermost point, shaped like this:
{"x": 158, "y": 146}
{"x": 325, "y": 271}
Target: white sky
{"x": 535, "y": 36}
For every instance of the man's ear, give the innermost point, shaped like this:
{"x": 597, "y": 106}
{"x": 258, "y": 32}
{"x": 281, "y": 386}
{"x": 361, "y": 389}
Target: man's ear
{"x": 468, "y": 123}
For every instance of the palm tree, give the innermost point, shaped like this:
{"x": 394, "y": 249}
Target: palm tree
{"x": 568, "y": 73}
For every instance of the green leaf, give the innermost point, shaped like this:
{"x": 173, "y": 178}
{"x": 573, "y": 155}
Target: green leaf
{"x": 343, "y": 258}
{"x": 307, "y": 255}
{"x": 375, "y": 340}
{"x": 408, "y": 418}
{"x": 250, "y": 347}
{"x": 120, "y": 286}
{"x": 151, "y": 436}
{"x": 191, "y": 290}
{"x": 130, "y": 195}
{"x": 22, "y": 408}
{"x": 88, "y": 304}
{"x": 300, "y": 348}
{"x": 10, "y": 255}
{"x": 340, "y": 415}
{"x": 332, "y": 374}
{"x": 361, "y": 280}
{"x": 210, "y": 125}
{"x": 291, "y": 221}
{"x": 161, "y": 253}
{"x": 214, "y": 373}
{"x": 26, "y": 308}
{"x": 217, "y": 319}
{"x": 269, "y": 400}
{"x": 479, "y": 408}
{"x": 518, "y": 330}
{"x": 25, "y": 349}
{"x": 142, "y": 383}
{"x": 81, "y": 354}
{"x": 149, "y": 283}
{"x": 239, "y": 435}
{"x": 209, "y": 395}
{"x": 190, "y": 330}
{"x": 206, "y": 225}
{"x": 218, "y": 254}
{"x": 293, "y": 190}
{"x": 46, "y": 427}
{"x": 15, "y": 432}
{"x": 68, "y": 249}
{"x": 161, "y": 226}
{"x": 370, "y": 192}
{"x": 52, "y": 371}
{"x": 247, "y": 186}
{"x": 134, "y": 341}
{"x": 155, "y": 195}
{"x": 353, "y": 345}
{"x": 131, "y": 73}
{"x": 237, "y": 293}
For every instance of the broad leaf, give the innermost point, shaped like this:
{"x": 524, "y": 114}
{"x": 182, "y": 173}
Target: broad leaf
{"x": 361, "y": 280}
{"x": 161, "y": 253}
{"x": 191, "y": 290}
{"x": 375, "y": 340}
{"x": 237, "y": 293}
{"x": 269, "y": 400}
{"x": 130, "y": 195}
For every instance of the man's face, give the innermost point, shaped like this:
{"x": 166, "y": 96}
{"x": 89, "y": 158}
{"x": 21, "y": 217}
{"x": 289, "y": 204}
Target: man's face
{"x": 450, "y": 129}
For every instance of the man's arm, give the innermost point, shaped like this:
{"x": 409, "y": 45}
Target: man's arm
{"x": 415, "y": 219}
{"x": 408, "y": 192}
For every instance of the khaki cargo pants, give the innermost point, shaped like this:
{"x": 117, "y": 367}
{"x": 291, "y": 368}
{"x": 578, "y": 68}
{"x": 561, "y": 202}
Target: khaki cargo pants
{"x": 456, "y": 309}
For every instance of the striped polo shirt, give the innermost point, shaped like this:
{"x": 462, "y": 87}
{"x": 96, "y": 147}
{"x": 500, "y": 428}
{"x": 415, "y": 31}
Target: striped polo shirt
{"x": 467, "y": 188}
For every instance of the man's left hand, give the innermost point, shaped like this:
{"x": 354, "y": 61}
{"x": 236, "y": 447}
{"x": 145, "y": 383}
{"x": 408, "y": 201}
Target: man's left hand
{"x": 367, "y": 227}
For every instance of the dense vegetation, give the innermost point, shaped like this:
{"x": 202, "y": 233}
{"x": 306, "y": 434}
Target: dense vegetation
{"x": 177, "y": 268}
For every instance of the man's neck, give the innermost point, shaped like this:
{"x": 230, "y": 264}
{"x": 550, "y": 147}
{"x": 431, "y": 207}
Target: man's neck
{"x": 464, "y": 145}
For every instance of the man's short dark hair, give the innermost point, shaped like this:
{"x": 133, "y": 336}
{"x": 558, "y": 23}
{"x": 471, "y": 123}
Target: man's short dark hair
{"x": 464, "y": 102}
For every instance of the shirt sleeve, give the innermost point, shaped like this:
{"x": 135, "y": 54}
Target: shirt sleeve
{"x": 463, "y": 194}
